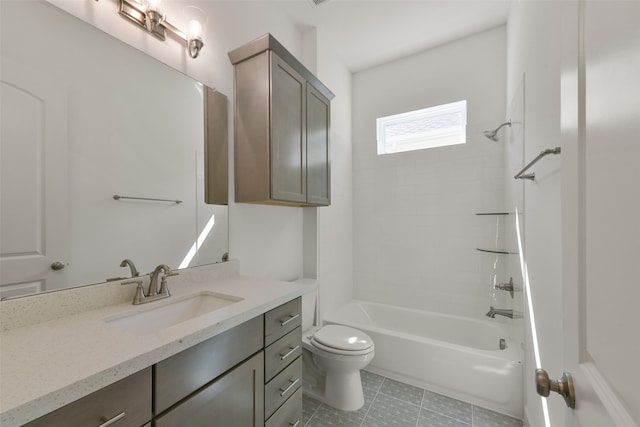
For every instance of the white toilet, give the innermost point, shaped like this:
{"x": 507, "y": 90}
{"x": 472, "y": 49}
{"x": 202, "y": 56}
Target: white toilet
{"x": 332, "y": 359}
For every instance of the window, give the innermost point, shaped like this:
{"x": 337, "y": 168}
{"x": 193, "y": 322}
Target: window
{"x": 427, "y": 128}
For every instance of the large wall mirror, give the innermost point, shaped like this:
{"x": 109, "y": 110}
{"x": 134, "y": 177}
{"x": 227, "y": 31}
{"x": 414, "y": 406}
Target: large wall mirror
{"x": 86, "y": 117}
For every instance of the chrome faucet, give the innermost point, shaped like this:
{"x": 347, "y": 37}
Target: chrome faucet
{"x": 128, "y": 262}
{"x": 493, "y": 312}
{"x": 153, "y": 292}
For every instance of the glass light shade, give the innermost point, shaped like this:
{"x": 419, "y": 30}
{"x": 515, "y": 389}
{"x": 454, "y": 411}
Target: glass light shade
{"x": 196, "y": 20}
{"x": 151, "y": 5}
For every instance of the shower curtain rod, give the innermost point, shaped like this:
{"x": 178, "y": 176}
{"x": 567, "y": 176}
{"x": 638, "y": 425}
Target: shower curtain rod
{"x": 532, "y": 176}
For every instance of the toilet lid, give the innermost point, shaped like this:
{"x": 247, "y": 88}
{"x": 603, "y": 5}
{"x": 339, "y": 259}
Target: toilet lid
{"x": 343, "y": 338}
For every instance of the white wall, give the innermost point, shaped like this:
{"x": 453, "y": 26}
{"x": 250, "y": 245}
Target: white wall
{"x": 335, "y": 223}
{"x": 415, "y": 228}
{"x": 534, "y": 50}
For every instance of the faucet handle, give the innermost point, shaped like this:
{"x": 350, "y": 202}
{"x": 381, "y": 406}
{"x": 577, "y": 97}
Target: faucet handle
{"x": 139, "y": 297}
{"x": 164, "y": 289}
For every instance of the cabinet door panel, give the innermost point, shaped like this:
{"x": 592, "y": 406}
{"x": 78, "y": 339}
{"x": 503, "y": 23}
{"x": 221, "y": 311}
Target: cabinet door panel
{"x": 130, "y": 396}
{"x": 289, "y": 414}
{"x": 185, "y": 372}
{"x": 318, "y": 161}
{"x": 282, "y": 320}
{"x": 279, "y": 389}
{"x": 235, "y": 400}
{"x": 288, "y": 133}
{"x": 282, "y": 352}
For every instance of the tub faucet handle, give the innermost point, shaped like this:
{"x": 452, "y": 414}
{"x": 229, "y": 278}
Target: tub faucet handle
{"x": 505, "y": 286}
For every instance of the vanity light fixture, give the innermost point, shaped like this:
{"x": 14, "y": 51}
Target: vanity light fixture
{"x": 148, "y": 15}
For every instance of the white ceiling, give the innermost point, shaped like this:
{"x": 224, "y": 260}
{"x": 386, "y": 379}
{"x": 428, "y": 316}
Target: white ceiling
{"x": 366, "y": 33}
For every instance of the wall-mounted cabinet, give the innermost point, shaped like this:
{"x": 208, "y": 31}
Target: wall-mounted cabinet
{"x": 282, "y": 128}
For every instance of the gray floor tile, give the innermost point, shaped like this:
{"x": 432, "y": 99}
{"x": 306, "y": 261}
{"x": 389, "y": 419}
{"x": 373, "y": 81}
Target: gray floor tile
{"x": 328, "y": 419}
{"x": 485, "y": 418}
{"x": 332, "y": 416}
{"x": 371, "y": 380}
{"x": 402, "y": 391}
{"x": 387, "y": 411}
{"x": 309, "y": 407}
{"x": 434, "y": 419}
{"x": 444, "y": 405}
{"x": 390, "y": 403}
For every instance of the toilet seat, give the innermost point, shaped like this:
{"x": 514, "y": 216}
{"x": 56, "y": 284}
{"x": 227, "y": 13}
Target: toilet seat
{"x": 340, "y": 339}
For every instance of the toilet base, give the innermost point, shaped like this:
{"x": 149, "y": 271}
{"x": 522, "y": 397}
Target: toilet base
{"x": 344, "y": 391}
{"x": 351, "y": 401}
{"x": 340, "y": 389}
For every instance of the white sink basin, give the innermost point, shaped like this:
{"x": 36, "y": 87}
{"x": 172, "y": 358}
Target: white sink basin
{"x": 153, "y": 319}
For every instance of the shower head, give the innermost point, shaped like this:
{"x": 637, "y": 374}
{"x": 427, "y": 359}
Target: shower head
{"x": 493, "y": 134}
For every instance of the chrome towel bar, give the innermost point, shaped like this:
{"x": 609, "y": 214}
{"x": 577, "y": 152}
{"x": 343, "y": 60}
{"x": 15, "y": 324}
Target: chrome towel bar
{"x": 532, "y": 176}
{"x": 116, "y": 197}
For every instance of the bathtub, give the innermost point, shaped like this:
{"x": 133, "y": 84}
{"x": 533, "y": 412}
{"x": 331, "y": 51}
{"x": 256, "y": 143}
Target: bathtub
{"x": 456, "y": 356}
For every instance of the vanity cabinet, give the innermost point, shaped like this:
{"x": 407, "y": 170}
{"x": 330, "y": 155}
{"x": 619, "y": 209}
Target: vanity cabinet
{"x": 282, "y": 128}
{"x": 126, "y": 403}
{"x": 220, "y": 381}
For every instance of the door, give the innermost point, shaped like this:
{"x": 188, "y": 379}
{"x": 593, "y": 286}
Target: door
{"x": 33, "y": 152}
{"x": 601, "y": 205}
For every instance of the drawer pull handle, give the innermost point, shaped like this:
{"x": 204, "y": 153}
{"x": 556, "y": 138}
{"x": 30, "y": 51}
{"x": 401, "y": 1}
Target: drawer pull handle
{"x": 295, "y": 424}
{"x": 291, "y": 318}
{"x": 290, "y": 352}
{"x": 286, "y": 390}
{"x": 112, "y": 420}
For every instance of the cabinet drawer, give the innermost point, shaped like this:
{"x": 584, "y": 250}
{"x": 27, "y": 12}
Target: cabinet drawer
{"x": 289, "y": 414}
{"x": 233, "y": 400}
{"x": 282, "y": 352}
{"x": 280, "y": 388}
{"x": 130, "y": 396}
{"x": 282, "y": 320}
{"x": 184, "y": 373}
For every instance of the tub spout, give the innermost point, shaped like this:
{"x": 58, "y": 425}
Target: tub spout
{"x": 493, "y": 312}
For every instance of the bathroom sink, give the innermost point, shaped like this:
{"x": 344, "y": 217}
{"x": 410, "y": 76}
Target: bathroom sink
{"x": 154, "y": 319}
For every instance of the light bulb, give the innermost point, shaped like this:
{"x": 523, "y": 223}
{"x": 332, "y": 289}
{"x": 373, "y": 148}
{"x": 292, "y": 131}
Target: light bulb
{"x": 195, "y": 29}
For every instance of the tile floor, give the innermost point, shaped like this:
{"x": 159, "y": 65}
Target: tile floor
{"x": 389, "y": 403}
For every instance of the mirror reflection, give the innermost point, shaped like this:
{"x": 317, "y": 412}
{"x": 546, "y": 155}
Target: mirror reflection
{"x": 86, "y": 117}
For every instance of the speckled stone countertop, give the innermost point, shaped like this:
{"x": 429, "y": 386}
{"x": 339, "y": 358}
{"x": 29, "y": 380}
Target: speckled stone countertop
{"x": 57, "y": 359}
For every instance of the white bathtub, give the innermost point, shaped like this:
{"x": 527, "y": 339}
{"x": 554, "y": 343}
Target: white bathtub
{"x": 456, "y": 356}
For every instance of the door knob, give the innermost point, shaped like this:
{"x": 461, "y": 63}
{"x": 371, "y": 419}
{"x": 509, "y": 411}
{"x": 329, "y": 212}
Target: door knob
{"x": 57, "y": 266}
{"x": 563, "y": 386}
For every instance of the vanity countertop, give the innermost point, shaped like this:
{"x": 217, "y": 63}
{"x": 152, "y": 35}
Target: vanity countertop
{"x": 47, "y": 365}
